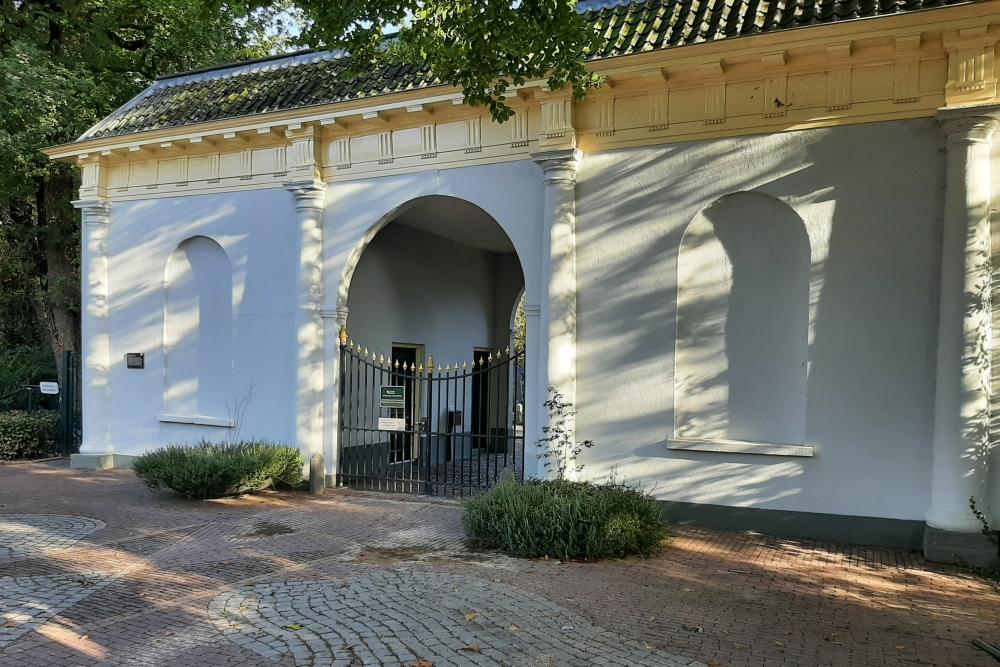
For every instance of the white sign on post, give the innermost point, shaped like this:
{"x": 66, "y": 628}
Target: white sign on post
{"x": 50, "y": 388}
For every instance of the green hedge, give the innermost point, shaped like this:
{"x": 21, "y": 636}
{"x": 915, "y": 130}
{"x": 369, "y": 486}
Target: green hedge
{"x": 209, "y": 470}
{"x": 565, "y": 520}
{"x": 25, "y": 435}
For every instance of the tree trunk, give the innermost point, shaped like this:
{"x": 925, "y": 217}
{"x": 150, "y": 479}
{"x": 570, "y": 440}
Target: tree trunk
{"x": 57, "y": 293}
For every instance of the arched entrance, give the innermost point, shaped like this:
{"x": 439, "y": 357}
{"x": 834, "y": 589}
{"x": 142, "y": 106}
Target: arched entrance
{"x": 432, "y": 390}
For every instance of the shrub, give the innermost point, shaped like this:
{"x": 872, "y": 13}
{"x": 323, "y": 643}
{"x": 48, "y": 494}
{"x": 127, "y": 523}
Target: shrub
{"x": 27, "y": 435}
{"x": 209, "y": 470}
{"x": 565, "y": 520}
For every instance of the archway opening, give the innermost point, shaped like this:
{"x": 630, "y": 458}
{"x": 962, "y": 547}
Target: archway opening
{"x": 439, "y": 283}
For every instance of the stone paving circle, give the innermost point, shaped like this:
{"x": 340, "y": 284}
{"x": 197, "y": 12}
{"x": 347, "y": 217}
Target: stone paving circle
{"x": 25, "y": 535}
{"x": 27, "y": 602}
{"x": 403, "y": 616}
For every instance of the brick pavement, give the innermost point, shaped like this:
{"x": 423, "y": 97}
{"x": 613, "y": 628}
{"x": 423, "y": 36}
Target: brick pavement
{"x": 99, "y": 570}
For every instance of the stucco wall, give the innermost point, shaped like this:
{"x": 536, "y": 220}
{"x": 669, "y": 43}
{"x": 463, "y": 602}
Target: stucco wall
{"x": 869, "y": 197}
{"x": 256, "y": 230}
{"x": 869, "y": 200}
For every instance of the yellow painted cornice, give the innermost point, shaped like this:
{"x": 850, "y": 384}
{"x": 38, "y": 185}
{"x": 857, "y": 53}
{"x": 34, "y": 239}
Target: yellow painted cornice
{"x": 890, "y": 68}
{"x": 737, "y": 50}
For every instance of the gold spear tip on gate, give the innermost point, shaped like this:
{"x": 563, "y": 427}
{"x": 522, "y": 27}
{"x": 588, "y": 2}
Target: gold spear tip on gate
{"x": 343, "y": 335}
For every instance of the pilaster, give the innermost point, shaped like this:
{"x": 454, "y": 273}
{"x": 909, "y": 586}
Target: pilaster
{"x": 334, "y": 337}
{"x": 310, "y": 201}
{"x": 95, "y": 327}
{"x": 962, "y": 396}
{"x": 557, "y": 323}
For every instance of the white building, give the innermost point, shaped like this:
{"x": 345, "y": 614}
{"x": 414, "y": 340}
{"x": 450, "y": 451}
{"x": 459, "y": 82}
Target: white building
{"x": 757, "y": 261}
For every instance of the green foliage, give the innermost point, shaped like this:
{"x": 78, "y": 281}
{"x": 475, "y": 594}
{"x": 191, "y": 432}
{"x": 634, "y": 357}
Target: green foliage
{"x": 24, "y": 364}
{"x": 559, "y": 449}
{"x": 64, "y": 65}
{"x": 210, "y": 470}
{"x": 992, "y": 571}
{"x": 565, "y": 520}
{"x": 26, "y": 435}
{"x": 481, "y": 46}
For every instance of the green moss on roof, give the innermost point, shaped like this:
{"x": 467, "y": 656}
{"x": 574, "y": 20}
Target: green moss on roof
{"x": 312, "y": 79}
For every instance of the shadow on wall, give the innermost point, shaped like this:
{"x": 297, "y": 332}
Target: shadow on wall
{"x": 198, "y": 329}
{"x": 838, "y": 327}
{"x": 742, "y": 322}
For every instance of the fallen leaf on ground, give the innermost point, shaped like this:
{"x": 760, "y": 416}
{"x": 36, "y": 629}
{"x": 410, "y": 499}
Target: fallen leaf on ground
{"x": 293, "y": 626}
{"x": 421, "y": 663}
{"x": 474, "y": 648}
{"x": 694, "y": 628}
{"x": 472, "y": 615}
{"x": 513, "y": 628}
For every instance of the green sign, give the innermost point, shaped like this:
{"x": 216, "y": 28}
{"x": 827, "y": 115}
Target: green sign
{"x": 392, "y": 397}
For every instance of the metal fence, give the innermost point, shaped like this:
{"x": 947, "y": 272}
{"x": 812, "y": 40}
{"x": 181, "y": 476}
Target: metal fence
{"x": 30, "y": 398}
{"x": 415, "y": 428}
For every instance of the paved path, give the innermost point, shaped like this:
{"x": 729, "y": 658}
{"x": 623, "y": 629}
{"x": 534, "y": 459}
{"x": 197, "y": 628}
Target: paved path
{"x": 96, "y": 569}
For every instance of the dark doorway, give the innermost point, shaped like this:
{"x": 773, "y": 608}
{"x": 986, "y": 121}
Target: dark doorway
{"x": 404, "y": 363}
{"x": 480, "y": 399}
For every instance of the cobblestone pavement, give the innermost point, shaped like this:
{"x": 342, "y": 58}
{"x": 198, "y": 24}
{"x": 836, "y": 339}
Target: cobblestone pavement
{"x": 96, "y": 569}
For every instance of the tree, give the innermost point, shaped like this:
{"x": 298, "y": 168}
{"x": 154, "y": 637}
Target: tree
{"x": 65, "y": 64}
{"x": 482, "y": 46}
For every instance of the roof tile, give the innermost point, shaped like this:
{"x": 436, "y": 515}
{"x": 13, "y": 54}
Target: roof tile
{"x": 313, "y": 78}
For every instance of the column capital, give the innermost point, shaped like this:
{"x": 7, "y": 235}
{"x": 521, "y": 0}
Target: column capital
{"x": 559, "y": 165}
{"x": 969, "y": 124}
{"x": 95, "y": 211}
{"x": 310, "y": 194}
{"x": 338, "y": 313}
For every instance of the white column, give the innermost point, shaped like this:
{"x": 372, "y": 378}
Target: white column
{"x": 95, "y": 327}
{"x": 334, "y": 329}
{"x": 962, "y": 397}
{"x": 558, "y": 277}
{"x": 310, "y": 200}
{"x": 535, "y": 383}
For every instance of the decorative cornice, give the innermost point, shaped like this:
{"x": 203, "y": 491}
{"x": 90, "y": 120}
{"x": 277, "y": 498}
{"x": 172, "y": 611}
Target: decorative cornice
{"x": 893, "y": 68}
{"x": 95, "y": 211}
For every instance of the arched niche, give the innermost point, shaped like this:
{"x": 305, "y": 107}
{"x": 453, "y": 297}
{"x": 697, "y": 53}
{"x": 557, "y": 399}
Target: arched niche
{"x": 742, "y": 323}
{"x": 198, "y": 326}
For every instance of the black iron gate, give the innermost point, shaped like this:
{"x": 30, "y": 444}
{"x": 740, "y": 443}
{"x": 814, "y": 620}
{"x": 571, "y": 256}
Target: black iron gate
{"x": 66, "y": 403}
{"x": 413, "y": 427}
